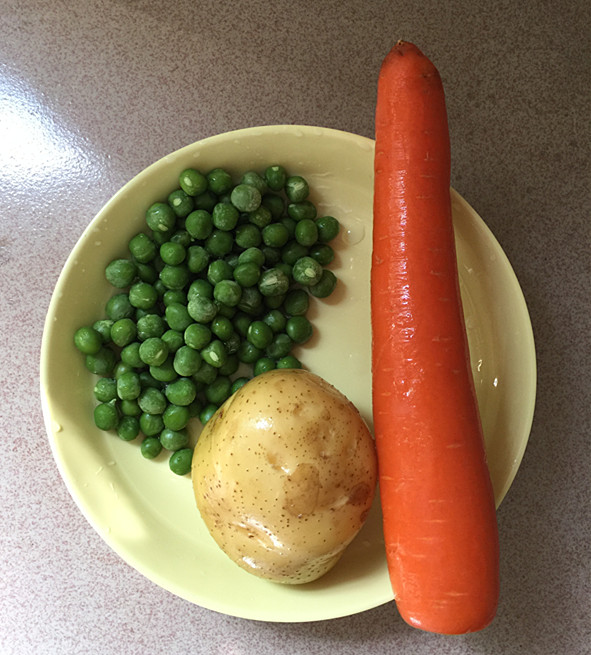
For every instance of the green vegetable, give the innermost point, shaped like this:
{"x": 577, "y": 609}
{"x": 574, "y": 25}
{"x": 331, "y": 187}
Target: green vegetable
{"x": 88, "y": 340}
{"x": 180, "y": 461}
{"x": 215, "y": 290}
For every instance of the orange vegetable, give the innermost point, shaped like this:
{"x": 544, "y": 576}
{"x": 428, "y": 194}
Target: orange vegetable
{"x": 437, "y": 499}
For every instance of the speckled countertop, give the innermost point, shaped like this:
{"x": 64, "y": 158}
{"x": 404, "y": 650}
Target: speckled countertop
{"x": 92, "y": 92}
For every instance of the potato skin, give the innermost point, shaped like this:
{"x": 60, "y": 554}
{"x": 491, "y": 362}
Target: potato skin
{"x": 284, "y": 475}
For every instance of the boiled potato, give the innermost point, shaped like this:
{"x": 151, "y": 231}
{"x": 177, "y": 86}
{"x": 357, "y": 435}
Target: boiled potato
{"x": 284, "y": 475}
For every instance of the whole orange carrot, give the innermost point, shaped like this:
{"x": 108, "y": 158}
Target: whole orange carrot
{"x": 437, "y": 499}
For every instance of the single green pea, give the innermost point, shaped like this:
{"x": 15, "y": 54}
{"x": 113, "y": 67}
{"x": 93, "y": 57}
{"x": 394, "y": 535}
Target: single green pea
{"x": 225, "y": 216}
{"x": 273, "y": 282}
{"x": 245, "y": 197}
{"x": 103, "y": 327}
{"x": 248, "y": 236}
{"x": 307, "y": 271}
{"x": 238, "y": 383}
{"x": 296, "y": 188}
{"x": 215, "y": 353}
{"x": 153, "y": 351}
{"x": 176, "y": 417}
{"x": 171, "y": 296}
{"x": 280, "y": 346}
{"x": 289, "y": 362}
{"x": 206, "y": 374}
{"x": 88, "y": 340}
{"x": 259, "y": 334}
{"x": 275, "y": 177}
{"x": 106, "y": 416}
{"x": 276, "y": 320}
{"x": 306, "y": 232}
{"x": 207, "y": 412}
{"x": 152, "y": 401}
{"x": 322, "y": 253}
{"x": 151, "y": 447}
{"x": 175, "y": 277}
{"x": 150, "y": 325}
{"x": 120, "y": 369}
{"x": 128, "y": 428}
{"x": 292, "y": 251}
{"x": 249, "y": 353}
{"x": 118, "y": 306}
{"x": 123, "y": 332}
{"x": 300, "y": 210}
{"x": 177, "y": 316}
{"x": 193, "y": 182}
{"x": 180, "y": 461}
{"x": 101, "y": 363}
{"x": 197, "y": 259}
{"x": 220, "y": 181}
{"x": 147, "y": 273}
{"x": 142, "y": 248}
{"x": 172, "y": 253}
{"x": 328, "y": 228}
{"x": 197, "y": 336}
{"x": 252, "y": 255}
{"x": 219, "y": 390}
{"x": 130, "y": 355}
{"x": 206, "y": 200}
{"x": 182, "y": 237}
{"x": 151, "y": 424}
{"x": 261, "y": 217}
{"x": 296, "y": 302}
{"x": 263, "y": 364}
{"x": 199, "y": 224}
{"x": 173, "y": 439}
{"x": 227, "y": 292}
{"x": 274, "y": 203}
{"x": 143, "y": 295}
{"x": 186, "y": 361}
{"x": 201, "y": 309}
{"x": 219, "y": 270}
{"x": 128, "y": 386}
{"x": 247, "y": 274}
{"x": 130, "y": 408}
{"x": 160, "y": 217}
{"x": 181, "y": 392}
{"x": 252, "y": 178}
{"x": 299, "y": 329}
{"x": 182, "y": 203}
{"x": 251, "y": 301}
{"x": 121, "y": 272}
{"x": 164, "y": 372}
{"x": 219, "y": 243}
{"x": 325, "y": 286}
{"x": 200, "y": 287}
{"x": 222, "y": 327}
{"x": 105, "y": 390}
{"x": 275, "y": 235}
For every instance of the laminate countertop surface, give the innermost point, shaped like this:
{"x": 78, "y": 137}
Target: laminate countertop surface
{"x": 93, "y": 92}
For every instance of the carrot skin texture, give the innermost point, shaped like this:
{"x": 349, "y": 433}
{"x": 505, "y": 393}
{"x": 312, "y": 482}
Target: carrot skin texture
{"x": 437, "y": 499}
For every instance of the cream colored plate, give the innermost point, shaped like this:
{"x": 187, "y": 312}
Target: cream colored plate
{"x": 146, "y": 513}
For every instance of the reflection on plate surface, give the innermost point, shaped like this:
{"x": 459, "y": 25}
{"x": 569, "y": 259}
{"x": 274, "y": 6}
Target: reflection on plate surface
{"x": 147, "y": 514}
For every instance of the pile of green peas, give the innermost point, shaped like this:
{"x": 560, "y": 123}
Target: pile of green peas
{"x": 214, "y": 291}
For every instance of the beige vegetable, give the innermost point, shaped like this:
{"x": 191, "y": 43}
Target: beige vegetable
{"x": 284, "y": 475}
